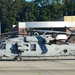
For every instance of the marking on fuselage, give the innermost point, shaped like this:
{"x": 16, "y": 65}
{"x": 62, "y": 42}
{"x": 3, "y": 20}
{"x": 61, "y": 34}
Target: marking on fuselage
{"x": 43, "y": 48}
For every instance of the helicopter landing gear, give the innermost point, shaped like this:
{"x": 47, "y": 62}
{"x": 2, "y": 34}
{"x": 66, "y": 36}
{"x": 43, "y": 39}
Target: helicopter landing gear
{"x": 18, "y": 58}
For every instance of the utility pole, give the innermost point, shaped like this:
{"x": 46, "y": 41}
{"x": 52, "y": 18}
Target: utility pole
{"x": 49, "y": 9}
{"x": 0, "y": 28}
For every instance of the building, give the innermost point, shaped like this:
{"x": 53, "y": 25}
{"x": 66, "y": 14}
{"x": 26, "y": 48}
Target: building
{"x": 46, "y": 25}
{"x": 69, "y": 18}
{"x": 69, "y": 21}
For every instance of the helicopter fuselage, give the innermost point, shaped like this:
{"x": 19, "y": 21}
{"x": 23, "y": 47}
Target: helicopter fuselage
{"x": 34, "y": 47}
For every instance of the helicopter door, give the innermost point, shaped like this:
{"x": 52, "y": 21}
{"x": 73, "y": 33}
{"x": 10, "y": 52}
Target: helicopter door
{"x": 30, "y": 50}
{"x": 26, "y": 49}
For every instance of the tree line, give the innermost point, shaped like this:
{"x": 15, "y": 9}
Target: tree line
{"x": 14, "y": 11}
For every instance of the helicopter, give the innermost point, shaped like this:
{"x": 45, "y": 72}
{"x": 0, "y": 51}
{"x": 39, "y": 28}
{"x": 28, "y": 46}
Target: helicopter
{"x": 37, "y": 46}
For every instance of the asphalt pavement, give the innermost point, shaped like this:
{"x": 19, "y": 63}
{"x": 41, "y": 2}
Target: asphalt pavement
{"x": 38, "y": 67}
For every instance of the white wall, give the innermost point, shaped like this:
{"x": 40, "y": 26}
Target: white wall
{"x": 45, "y": 24}
{"x": 22, "y": 24}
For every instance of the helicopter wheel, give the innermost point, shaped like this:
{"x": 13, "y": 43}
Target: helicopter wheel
{"x": 0, "y": 58}
{"x": 18, "y": 58}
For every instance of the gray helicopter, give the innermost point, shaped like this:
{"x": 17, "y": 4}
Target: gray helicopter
{"x": 36, "y": 46}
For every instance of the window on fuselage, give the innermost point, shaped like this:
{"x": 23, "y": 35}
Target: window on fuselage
{"x": 33, "y": 47}
{"x": 65, "y": 50}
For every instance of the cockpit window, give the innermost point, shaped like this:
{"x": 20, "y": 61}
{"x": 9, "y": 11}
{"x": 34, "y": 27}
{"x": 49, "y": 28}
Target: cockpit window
{"x": 3, "y": 46}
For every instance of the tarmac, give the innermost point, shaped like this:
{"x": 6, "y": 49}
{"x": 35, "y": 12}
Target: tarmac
{"x": 55, "y": 66}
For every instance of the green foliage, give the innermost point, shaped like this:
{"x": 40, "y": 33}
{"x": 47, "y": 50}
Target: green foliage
{"x": 13, "y": 11}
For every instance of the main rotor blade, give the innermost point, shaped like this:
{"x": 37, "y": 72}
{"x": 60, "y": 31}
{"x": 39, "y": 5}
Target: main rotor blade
{"x": 57, "y": 32}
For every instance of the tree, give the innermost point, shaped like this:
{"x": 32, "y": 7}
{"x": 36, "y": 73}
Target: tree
{"x": 13, "y": 11}
{"x": 9, "y": 12}
{"x": 68, "y": 7}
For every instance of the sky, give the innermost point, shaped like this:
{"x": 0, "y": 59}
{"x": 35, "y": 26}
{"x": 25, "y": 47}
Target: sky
{"x": 28, "y": 0}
